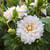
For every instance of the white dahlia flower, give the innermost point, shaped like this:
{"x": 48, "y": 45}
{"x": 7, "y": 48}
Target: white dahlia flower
{"x": 9, "y": 14}
{"x": 22, "y": 11}
{"x": 30, "y": 29}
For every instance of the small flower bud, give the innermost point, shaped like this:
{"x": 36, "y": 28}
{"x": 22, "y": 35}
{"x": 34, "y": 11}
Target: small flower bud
{"x": 9, "y": 30}
{"x": 37, "y": 41}
{"x": 41, "y": 39}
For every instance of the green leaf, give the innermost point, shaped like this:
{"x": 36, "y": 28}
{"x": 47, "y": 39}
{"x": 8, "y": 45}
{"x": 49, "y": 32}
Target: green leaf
{"x": 33, "y": 47}
{"x": 44, "y": 6}
{"x": 0, "y": 0}
{"x": 26, "y": 47}
{"x": 40, "y": 48}
{"x": 7, "y": 43}
{"x": 12, "y": 2}
{"x": 45, "y": 20}
{"x": 2, "y": 19}
{"x": 3, "y": 26}
{"x": 2, "y": 5}
{"x": 40, "y": 3}
{"x": 46, "y": 36}
{"x": 14, "y": 46}
{"x": 47, "y": 23}
{"x": 6, "y": 36}
{"x": 15, "y": 15}
{"x": 47, "y": 27}
{"x": 48, "y": 11}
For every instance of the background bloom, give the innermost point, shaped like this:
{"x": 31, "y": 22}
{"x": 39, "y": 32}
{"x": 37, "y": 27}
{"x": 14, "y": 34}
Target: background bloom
{"x": 8, "y": 14}
{"x": 30, "y": 29}
{"x": 22, "y": 11}
{"x": 42, "y": 9}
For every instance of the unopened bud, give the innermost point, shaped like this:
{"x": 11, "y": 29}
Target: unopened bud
{"x": 9, "y": 30}
{"x": 41, "y": 39}
{"x": 37, "y": 41}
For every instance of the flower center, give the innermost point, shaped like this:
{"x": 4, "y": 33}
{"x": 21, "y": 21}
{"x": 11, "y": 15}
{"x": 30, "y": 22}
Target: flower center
{"x": 29, "y": 27}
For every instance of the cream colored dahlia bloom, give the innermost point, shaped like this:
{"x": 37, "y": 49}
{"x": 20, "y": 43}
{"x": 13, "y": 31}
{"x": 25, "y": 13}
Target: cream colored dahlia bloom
{"x": 30, "y": 29}
{"x": 8, "y": 14}
{"x": 22, "y": 11}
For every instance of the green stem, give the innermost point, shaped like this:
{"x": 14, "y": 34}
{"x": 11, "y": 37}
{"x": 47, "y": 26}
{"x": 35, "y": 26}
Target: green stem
{"x": 8, "y": 25}
{"x": 15, "y": 25}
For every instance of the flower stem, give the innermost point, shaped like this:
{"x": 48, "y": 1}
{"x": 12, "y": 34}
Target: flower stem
{"x": 15, "y": 25}
{"x": 8, "y": 25}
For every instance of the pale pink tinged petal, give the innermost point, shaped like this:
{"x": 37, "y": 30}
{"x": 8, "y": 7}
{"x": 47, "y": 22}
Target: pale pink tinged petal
{"x": 43, "y": 11}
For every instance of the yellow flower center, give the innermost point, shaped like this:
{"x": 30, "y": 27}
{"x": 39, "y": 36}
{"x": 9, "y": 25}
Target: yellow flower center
{"x": 29, "y": 27}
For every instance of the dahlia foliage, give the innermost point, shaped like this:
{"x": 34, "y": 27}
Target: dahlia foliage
{"x": 25, "y": 27}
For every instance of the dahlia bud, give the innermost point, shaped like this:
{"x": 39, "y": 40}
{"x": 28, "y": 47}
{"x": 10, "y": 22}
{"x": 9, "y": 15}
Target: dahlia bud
{"x": 37, "y": 41}
{"x": 41, "y": 39}
{"x": 9, "y": 30}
